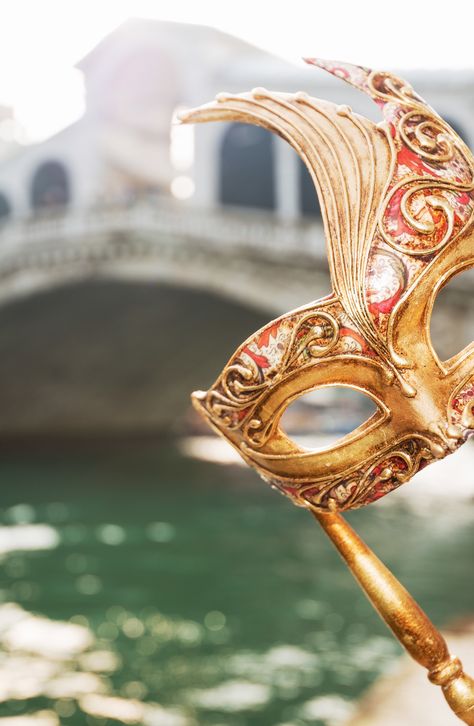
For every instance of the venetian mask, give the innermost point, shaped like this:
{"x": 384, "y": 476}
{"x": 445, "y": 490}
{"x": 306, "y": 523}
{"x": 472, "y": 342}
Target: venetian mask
{"x": 397, "y": 204}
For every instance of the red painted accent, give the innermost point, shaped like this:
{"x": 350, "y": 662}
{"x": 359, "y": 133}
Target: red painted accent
{"x": 357, "y": 337}
{"x": 385, "y": 306}
{"x": 408, "y": 158}
{"x": 264, "y": 337}
{"x": 260, "y": 360}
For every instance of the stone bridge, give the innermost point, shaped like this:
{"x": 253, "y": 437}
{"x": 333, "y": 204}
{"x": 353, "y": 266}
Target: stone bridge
{"x": 251, "y": 258}
{"x": 110, "y": 317}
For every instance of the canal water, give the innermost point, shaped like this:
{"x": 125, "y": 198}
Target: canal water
{"x": 141, "y": 586}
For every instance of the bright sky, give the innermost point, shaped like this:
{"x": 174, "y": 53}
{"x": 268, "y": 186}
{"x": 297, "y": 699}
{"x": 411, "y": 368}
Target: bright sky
{"x": 41, "y": 40}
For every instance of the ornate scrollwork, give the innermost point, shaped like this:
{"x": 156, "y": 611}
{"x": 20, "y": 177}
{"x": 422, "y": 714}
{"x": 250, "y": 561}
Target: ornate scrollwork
{"x": 427, "y": 135}
{"x": 316, "y": 334}
{"x": 255, "y": 370}
{"x": 418, "y": 217}
{"x": 388, "y": 87}
{"x": 370, "y": 482}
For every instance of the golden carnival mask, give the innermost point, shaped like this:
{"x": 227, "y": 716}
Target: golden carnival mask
{"x": 397, "y": 204}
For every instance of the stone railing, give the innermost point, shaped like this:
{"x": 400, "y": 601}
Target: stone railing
{"x": 165, "y": 219}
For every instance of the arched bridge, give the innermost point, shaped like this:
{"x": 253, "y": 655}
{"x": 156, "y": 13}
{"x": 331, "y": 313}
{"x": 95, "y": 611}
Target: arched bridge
{"x": 251, "y": 258}
{"x": 109, "y": 318}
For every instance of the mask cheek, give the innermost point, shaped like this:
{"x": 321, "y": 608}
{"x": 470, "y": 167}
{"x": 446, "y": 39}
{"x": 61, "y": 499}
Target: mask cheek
{"x": 351, "y": 488}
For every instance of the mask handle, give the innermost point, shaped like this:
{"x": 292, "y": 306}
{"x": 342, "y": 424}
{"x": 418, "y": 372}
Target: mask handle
{"x": 410, "y": 625}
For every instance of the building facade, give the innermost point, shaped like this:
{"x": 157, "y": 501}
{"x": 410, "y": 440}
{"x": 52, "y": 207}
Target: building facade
{"x": 125, "y": 145}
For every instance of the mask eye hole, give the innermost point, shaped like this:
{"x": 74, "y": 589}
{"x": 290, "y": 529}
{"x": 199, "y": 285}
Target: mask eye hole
{"x": 321, "y": 418}
{"x": 451, "y": 325}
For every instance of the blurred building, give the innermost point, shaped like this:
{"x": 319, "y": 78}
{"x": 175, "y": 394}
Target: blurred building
{"x": 135, "y": 255}
{"x": 124, "y": 146}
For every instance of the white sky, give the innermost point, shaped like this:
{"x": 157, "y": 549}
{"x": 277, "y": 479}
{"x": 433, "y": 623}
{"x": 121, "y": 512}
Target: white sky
{"x": 40, "y": 40}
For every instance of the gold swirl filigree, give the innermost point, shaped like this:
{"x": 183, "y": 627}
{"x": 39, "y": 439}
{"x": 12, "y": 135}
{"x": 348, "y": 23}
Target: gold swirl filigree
{"x": 422, "y": 227}
{"x": 356, "y": 490}
{"x": 256, "y": 433}
{"x": 434, "y": 141}
{"x": 328, "y": 332}
{"x": 242, "y": 384}
{"x": 224, "y": 409}
{"x": 240, "y": 381}
{"x": 428, "y": 227}
{"x": 389, "y": 87}
{"x": 306, "y": 338}
{"x": 239, "y": 389}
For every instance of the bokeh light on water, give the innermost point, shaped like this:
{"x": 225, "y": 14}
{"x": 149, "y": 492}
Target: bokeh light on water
{"x": 142, "y": 586}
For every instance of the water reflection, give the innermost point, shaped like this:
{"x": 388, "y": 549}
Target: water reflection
{"x": 27, "y": 537}
{"x": 60, "y": 661}
{"x": 143, "y": 586}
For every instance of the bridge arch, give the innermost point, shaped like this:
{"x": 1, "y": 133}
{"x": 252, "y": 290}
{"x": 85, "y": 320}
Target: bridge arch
{"x": 113, "y": 356}
{"x": 50, "y": 186}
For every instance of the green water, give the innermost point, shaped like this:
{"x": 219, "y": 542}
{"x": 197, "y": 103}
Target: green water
{"x": 213, "y": 599}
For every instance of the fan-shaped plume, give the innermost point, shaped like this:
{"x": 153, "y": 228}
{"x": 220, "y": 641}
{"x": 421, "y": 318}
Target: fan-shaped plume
{"x": 350, "y": 161}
